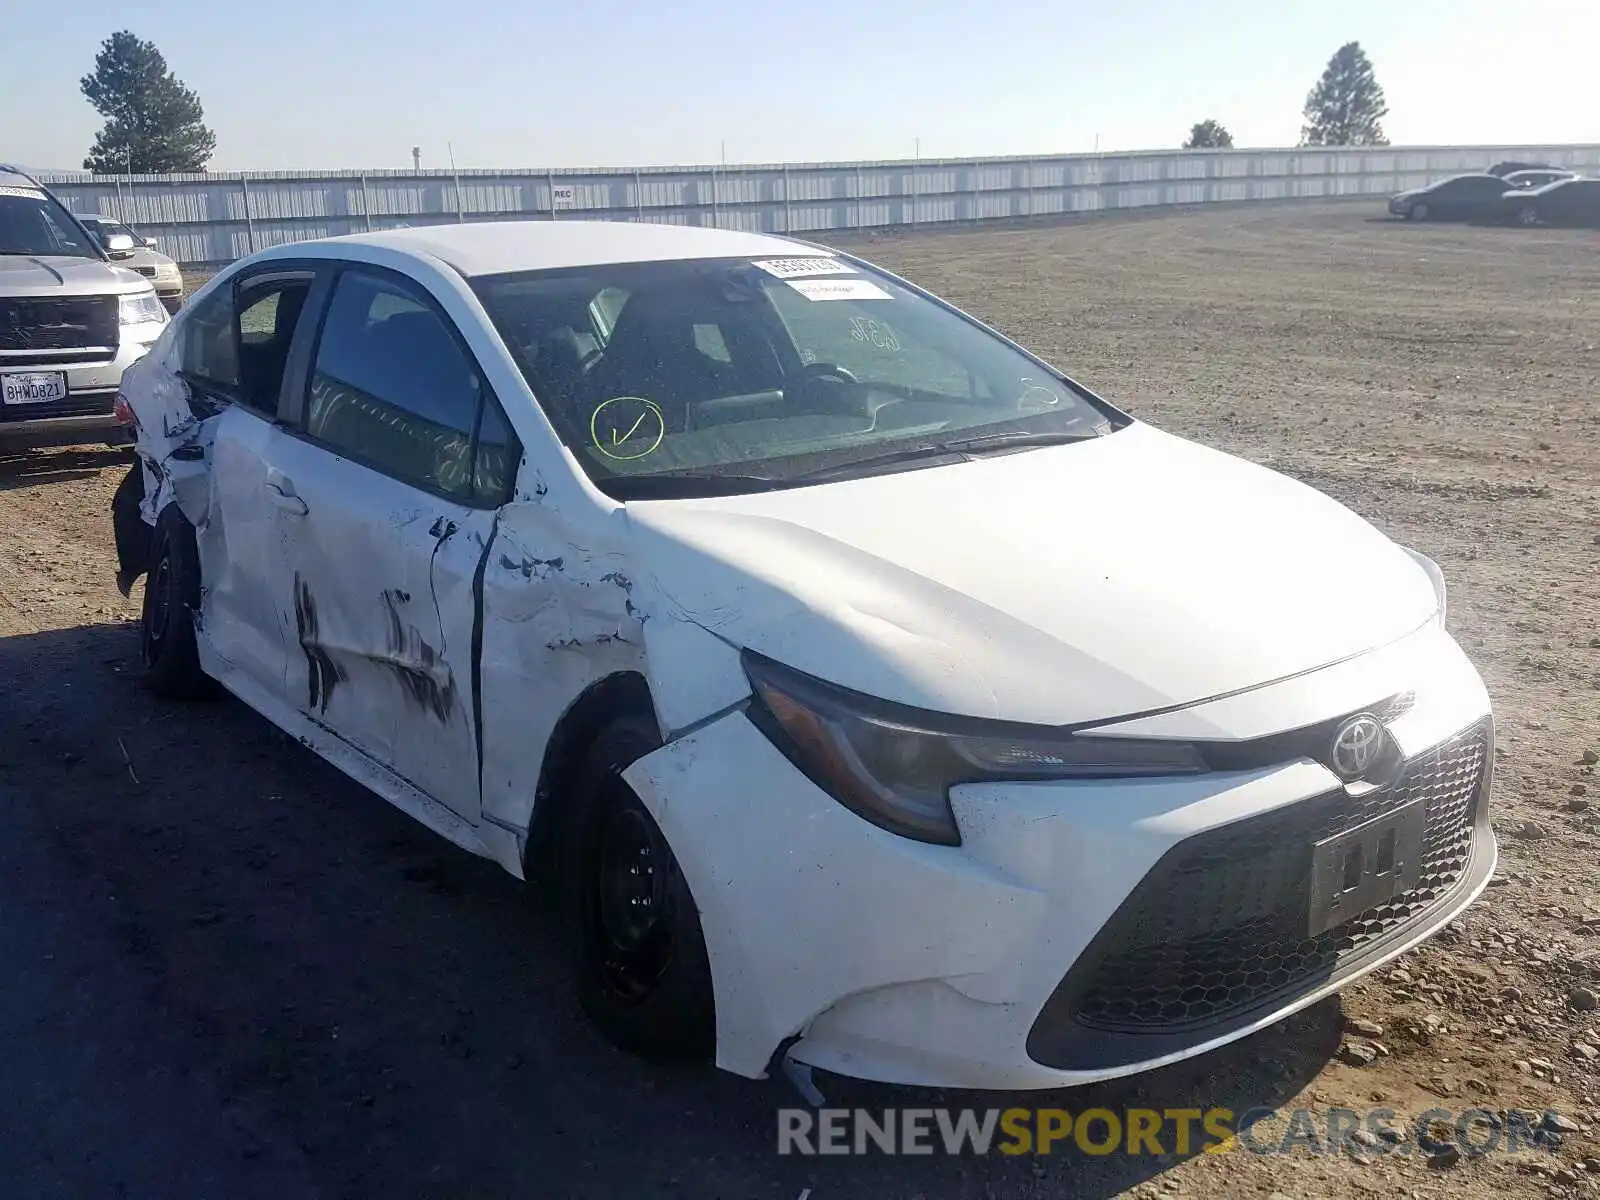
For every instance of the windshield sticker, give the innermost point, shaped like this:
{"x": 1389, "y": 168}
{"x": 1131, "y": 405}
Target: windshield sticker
{"x": 25, "y": 193}
{"x": 839, "y": 289}
{"x": 876, "y": 332}
{"x": 798, "y": 268}
{"x": 627, "y": 427}
{"x": 1035, "y": 396}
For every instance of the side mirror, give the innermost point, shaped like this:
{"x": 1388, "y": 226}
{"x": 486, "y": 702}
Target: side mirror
{"x": 149, "y": 243}
{"x": 119, "y": 245}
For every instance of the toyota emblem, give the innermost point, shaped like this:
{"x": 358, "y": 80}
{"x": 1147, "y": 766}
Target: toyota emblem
{"x": 1357, "y": 746}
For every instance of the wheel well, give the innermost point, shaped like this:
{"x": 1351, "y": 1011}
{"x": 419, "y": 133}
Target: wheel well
{"x": 597, "y": 705}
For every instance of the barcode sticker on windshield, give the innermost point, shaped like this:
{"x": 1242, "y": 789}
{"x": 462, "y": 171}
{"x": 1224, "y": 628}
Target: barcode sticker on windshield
{"x": 798, "y": 268}
{"x": 839, "y": 289}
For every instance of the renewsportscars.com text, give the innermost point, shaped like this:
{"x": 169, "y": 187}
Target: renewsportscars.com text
{"x": 1138, "y": 1131}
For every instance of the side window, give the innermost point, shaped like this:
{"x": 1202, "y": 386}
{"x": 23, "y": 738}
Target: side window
{"x": 268, "y": 312}
{"x": 392, "y": 387}
{"x": 209, "y": 354}
{"x": 709, "y": 341}
{"x": 497, "y": 458}
{"x": 604, "y": 309}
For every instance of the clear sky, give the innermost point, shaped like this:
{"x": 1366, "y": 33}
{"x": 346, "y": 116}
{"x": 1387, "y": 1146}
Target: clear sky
{"x": 355, "y": 83}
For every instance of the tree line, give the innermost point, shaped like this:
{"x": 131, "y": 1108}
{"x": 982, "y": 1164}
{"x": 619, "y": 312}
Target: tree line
{"x": 1345, "y": 108}
{"x": 154, "y": 125}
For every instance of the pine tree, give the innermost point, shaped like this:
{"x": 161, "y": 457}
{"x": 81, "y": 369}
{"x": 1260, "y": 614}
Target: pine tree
{"x": 153, "y": 122}
{"x": 1209, "y": 135}
{"x": 1346, "y": 106}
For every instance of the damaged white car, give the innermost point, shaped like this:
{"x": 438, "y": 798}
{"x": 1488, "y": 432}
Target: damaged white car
{"x": 876, "y": 698}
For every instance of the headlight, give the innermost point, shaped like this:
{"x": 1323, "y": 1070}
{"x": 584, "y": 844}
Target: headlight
{"x": 1435, "y": 576}
{"x": 895, "y": 766}
{"x": 141, "y": 308}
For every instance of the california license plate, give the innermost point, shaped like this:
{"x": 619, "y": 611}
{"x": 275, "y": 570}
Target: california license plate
{"x": 1364, "y": 867}
{"x": 33, "y": 387}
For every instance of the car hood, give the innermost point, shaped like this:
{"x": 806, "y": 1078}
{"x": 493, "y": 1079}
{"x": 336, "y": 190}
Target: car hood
{"x": 64, "y": 275}
{"x": 1056, "y": 586}
{"x": 146, "y": 257}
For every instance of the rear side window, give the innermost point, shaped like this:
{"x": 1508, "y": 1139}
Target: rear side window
{"x": 392, "y": 387}
{"x": 234, "y": 344}
{"x": 209, "y": 352}
{"x": 269, "y": 310}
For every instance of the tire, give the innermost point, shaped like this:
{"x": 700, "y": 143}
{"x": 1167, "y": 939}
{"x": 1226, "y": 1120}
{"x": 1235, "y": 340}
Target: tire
{"x": 166, "y": 626}
{"x": 1527, "y": 215}
{"x": 1417, "y": 212}
{"x": 638, "y": 956}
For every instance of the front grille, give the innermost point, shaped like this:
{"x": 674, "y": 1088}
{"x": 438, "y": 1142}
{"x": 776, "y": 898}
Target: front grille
{"x": 57, "y": 323}
{"x": 1217, "y": 930}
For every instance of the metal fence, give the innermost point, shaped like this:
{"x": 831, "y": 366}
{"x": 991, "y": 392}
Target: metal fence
{"x": 215, "y": 218}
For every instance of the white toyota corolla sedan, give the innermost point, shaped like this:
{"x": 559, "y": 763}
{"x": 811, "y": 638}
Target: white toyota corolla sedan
{"x": 869, "y": 692}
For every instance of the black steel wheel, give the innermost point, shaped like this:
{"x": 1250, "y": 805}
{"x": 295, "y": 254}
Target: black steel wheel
{"x": 638, "y": 954}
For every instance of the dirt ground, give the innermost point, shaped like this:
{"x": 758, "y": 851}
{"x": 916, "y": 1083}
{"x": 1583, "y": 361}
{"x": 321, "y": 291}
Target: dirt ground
{"x": 229, "y": 972}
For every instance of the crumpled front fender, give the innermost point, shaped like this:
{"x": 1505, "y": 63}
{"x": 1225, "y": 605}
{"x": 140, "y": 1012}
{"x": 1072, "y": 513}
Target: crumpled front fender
{"x": 802, "y": 903}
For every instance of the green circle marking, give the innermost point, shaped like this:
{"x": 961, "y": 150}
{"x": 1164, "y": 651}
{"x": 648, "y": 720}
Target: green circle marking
{"x": 643, "y": 416}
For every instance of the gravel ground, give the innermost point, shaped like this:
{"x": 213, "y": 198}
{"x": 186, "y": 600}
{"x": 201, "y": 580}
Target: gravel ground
{"x": 230, "y": 972}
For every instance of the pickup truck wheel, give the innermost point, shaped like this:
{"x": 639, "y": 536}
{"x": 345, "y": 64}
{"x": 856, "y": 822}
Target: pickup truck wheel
{"x": 166, "y": 626}
{"x": 638, "y": 955}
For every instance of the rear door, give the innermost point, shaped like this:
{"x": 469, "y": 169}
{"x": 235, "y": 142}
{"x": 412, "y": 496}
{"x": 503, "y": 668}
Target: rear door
{"x": 393, "y": 465}
{"x": 232, "y": 355}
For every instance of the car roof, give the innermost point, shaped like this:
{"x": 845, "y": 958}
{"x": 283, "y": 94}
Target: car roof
{"x": 496, "y": 247}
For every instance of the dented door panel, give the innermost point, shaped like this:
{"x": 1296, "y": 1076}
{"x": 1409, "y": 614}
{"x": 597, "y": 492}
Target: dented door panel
{"x": 383, "y": 578}
{"x": 247, "y": 596}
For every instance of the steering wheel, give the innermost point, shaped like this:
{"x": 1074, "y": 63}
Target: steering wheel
{"x": 822, "y": 370}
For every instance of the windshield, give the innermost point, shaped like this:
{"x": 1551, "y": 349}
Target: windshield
{"x": 722, "y": 372}
{"x": 32, "y": 223}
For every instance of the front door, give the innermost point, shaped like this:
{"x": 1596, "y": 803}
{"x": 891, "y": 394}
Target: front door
{"x": 389, "y": 478}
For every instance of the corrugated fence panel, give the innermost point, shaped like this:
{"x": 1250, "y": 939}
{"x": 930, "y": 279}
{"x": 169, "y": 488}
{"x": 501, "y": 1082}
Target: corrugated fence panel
{"x": 209, "y": 219}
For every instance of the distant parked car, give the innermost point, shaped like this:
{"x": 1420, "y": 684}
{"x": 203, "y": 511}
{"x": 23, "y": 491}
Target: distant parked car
{"x": 1528, "y": 180}
{"x": 156, "y": 267}
{"x": 1459, "y": 198}
{"x": 1565, "y": 202}
{"x": 1508, "y": 168}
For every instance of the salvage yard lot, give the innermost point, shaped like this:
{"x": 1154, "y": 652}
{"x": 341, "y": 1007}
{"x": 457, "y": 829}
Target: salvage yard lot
{"x": 234, "y": 973}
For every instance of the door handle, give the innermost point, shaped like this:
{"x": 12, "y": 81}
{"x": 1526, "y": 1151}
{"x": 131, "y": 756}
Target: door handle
{"x": 283, "y": 495}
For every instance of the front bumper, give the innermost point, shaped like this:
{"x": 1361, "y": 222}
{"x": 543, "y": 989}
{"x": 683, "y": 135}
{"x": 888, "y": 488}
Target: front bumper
{"x": 1035, "y": 954}
{"x": 84, "y": 417}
